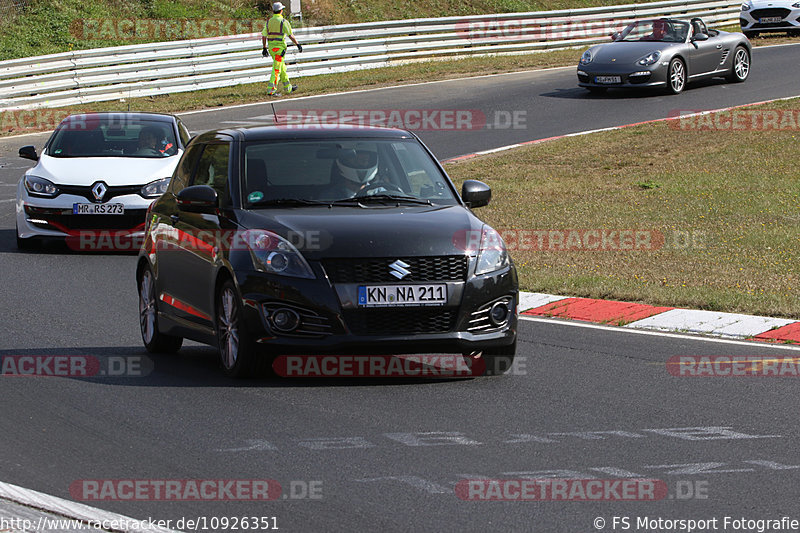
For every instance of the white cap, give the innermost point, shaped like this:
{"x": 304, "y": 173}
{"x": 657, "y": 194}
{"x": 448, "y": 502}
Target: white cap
{"x": 277, "y": 6}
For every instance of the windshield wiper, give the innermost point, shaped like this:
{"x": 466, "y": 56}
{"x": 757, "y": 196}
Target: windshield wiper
{"x": 387, "y": 198}
{"x": 287, "y": 202}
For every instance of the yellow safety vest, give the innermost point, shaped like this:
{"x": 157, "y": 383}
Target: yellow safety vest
{"x": 275, "y": 29}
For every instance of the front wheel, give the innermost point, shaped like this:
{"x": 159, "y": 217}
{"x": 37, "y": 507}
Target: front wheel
{"x": 237, "y": 349}
{"x": 677, "y": 76}
{"x": 741, "y": 65}
{"x": 154, "y": 341}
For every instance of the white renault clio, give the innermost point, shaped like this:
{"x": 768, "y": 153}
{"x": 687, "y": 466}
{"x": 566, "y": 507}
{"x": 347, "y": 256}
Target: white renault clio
{"x": 95, "y": 178}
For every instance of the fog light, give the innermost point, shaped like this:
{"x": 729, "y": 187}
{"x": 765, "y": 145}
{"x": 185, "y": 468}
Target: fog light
{"x": 582, "y": 73}
{"x": 285, "y": 319}
{"x": 499, "y": 313}
{"x": 641, "y": 73}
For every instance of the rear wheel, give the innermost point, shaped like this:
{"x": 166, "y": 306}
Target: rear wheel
{"x": 154, "y": 341}
{"x": 741, "y": 65}
{"x": 677, "y": 76}
{"x": 237, "y": 349}
{"x": 498, "y": 361}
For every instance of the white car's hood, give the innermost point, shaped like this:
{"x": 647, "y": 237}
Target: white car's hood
{"x": 113, "y": 171}
{"x": 760, "y": 4}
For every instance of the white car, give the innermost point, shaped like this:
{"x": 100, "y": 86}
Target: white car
{"x": 95, "y": 178}
{"x": 770, "y": 15}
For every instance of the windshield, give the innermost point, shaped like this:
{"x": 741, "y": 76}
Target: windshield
{"x": 661, "y": 30}
{"x": 330, "y": 171}
{"x": 113, "y": 137}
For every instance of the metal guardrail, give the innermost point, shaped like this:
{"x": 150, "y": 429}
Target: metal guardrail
{"x": 103, "y": 74}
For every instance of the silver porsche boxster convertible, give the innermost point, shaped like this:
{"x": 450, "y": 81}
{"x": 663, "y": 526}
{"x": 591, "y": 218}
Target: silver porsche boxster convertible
{"x": 665, "y": 53}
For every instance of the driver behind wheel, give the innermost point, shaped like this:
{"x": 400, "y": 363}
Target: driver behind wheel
{"x": 354, "y": 173}
{"x": 148, "y": 141}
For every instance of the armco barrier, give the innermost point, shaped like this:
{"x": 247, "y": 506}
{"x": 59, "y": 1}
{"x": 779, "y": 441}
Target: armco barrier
{"x": 102, "y": 74}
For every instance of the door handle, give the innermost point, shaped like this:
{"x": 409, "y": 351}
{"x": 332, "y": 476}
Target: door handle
{"x": 174, "y": 218}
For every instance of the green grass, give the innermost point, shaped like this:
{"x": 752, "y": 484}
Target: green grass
{"x": 727, "y": 205}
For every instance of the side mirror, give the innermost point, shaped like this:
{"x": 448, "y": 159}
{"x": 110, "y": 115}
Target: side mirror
{"x": 700, "y": 37}
{"x": 198, "y": 199}
{"x": 28, "y": 152}
{"x": 475, "y": 193}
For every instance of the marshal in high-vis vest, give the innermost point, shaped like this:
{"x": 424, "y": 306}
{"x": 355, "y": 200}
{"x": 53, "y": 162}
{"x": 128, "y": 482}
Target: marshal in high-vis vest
{"x": 272, "y": 42}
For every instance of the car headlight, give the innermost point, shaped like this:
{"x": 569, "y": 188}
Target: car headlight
{"x": 586, "y": 58}
{"x": 154, "y": 189}
{"x": 747, "y": 6}
{"x": 41, "y": 187}
{"x": 649, "y": 59}
{"x": 492, "y": 255}
{"x": 273, "y": 254}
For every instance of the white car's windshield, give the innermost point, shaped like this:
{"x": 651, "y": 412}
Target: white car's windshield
{"x": 340, "y": 170}
{"x": 661, "y": 30}
{"x": 111, "y": 137}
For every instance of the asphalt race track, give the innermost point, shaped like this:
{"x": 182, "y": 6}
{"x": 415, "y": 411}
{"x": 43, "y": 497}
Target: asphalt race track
{"x": 583, "y": 402}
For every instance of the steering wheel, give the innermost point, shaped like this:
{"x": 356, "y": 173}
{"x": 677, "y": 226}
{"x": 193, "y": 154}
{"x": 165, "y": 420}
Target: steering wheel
{"x": 389, "y": 187}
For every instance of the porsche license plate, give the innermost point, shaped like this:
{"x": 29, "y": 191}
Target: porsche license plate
{"x": 402, "y": 295}
{"x": 770, "y": 20}
{"x": 608, "y": 79}
{"x": 98, "y": 209}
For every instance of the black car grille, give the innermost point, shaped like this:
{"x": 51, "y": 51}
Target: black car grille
{"x": 58, "y": 219}
{"x": 112, "y": 192}
{"x": 405, "y": 321}
{"x": 444, "y": 268}
{"x": 770, "y": 12}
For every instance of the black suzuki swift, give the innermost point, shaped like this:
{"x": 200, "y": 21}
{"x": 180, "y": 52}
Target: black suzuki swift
{"x": 286, "y": 240}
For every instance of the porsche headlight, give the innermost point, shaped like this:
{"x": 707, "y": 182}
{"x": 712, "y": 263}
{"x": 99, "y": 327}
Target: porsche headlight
{"x": 492, "y": 255}
{"x": 41, "y": 187}
{"x": 273, "y": 254}
{"x": 586, "y": 58}
{"x": 154, "y": 189}
{"x": 650, "y": 59}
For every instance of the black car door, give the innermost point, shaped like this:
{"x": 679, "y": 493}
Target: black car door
{"x": 190, "y": 266}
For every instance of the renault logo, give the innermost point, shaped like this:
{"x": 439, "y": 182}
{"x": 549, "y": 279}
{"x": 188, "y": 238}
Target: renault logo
{"x": 99, "y": 190}
{"x": 399, "y": 269}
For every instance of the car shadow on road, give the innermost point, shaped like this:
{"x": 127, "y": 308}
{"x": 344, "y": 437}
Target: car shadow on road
{"x": 579, "y": 93}
{"x": 131, "y": 366}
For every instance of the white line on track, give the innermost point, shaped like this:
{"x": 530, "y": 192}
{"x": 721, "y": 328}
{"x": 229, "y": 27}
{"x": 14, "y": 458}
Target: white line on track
{"x": 752, "y": 344}
{"x": 76, "y": 511}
